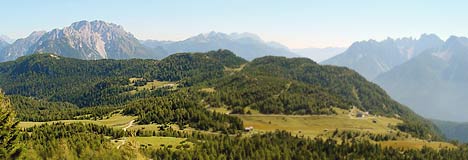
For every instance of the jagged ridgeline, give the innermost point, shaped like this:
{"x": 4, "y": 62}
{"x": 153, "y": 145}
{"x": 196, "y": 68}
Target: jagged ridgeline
{"x": 270, "y": 84}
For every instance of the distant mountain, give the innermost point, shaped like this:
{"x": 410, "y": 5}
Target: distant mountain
{"x": 319, "y": 54}
{"x": 3, "y": 44}
{"x": 435, "y": 83}
{"x": 246, "y": 45}
{"x": 371, "y": 58}
{"x": 155, "y": 43}
{"x": 101, "y": 40}
{"x": 20, "y": 47}
{"x": 93, "y": 40}
{"x": 6, "y": 39}
{"x": 453, "y": 130}
{"x": 84, "y": 40}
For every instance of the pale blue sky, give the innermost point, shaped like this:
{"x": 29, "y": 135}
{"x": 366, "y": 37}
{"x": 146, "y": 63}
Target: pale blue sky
{"x": 295, "y": 23}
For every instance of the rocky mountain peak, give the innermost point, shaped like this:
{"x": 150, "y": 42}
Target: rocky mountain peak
{"x": 455, "y": 41}
{"x": 86, "y": 40}
{"x": 371, "y": 58}
{"x": 429, "y": 37}
{"x": 20, "y": 47}
{"x": 452, "y": 46}
{"x": 213, "y": 36}
{"x": 207, "y": 37}
{"x": 96, "y": 26}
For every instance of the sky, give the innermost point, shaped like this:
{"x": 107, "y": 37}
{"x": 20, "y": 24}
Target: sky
{"x": 295, "y": 23}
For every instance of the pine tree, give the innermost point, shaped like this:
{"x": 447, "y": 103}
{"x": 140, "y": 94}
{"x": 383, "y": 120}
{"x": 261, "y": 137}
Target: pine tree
{"x": 9, "y": 134}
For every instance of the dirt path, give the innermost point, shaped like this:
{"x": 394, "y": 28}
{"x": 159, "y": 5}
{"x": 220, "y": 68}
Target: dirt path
{"x": 130, "y": 124}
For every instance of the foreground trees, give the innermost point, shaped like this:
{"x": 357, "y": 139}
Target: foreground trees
{"x": 9, "y": 148}
{"x": 89, "y": 141}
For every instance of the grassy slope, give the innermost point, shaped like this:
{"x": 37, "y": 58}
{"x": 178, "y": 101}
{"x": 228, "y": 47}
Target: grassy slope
{"x": 314, "y": 125}
{"x": 308, "y": 126}
{"x": 322, "y": 125}
{"x": 155, "y": 84}
{"x": 117, "y": 121}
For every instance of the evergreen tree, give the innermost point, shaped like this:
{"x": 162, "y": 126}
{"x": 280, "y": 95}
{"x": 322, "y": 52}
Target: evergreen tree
{"x": 9, "y": 149}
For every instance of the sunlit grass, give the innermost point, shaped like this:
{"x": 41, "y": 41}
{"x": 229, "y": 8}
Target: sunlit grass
{"x": 117, "y": 121}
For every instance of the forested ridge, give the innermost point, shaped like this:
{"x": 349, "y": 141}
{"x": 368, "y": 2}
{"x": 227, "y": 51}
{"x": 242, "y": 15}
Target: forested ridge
{"x": 45, "y": 87}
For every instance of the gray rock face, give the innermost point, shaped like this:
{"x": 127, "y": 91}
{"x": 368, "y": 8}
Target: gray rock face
{"x": 20, "y": 47}
{"x": 371, "y": 58}
{"x": 84, "y": 40}
{"x": 93, "y": 40}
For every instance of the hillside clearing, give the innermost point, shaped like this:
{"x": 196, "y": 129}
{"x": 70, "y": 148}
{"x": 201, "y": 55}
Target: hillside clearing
{"x": 116, "y": 121}
{"x": 314, "y": 125}
{"x": 155, "y": 84}
{"x": 322, "y": 125}
{"x": 227, "y": 69}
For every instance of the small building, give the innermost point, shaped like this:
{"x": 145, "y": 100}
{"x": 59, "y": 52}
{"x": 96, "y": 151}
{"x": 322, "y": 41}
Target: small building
{"x": 248, "y": 129}
{"x": 362, "y": 114}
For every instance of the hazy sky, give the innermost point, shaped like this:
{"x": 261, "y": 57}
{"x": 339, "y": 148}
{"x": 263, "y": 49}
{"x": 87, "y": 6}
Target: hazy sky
{"x": 297, "y": 24}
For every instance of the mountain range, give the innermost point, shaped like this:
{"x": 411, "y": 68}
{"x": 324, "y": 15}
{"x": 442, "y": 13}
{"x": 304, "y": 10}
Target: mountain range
{"x": 83, "y": 40}
{"x": 371, "y": 58}
{"x": 20, "y": 47}
{"x": 427, "y": 74}
{"x": 411, "y": 70}
{"x": 91, "y": 40}
{"x": 433, "y": 83}
{"x": 245, "y": 45}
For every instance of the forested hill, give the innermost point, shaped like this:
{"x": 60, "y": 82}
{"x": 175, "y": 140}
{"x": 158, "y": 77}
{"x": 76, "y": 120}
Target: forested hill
{"x": 96, "y": 82}
{"x": 270, "y": 84}
{"x": 301, "y": 86}
{"x": 345, "y": 84}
